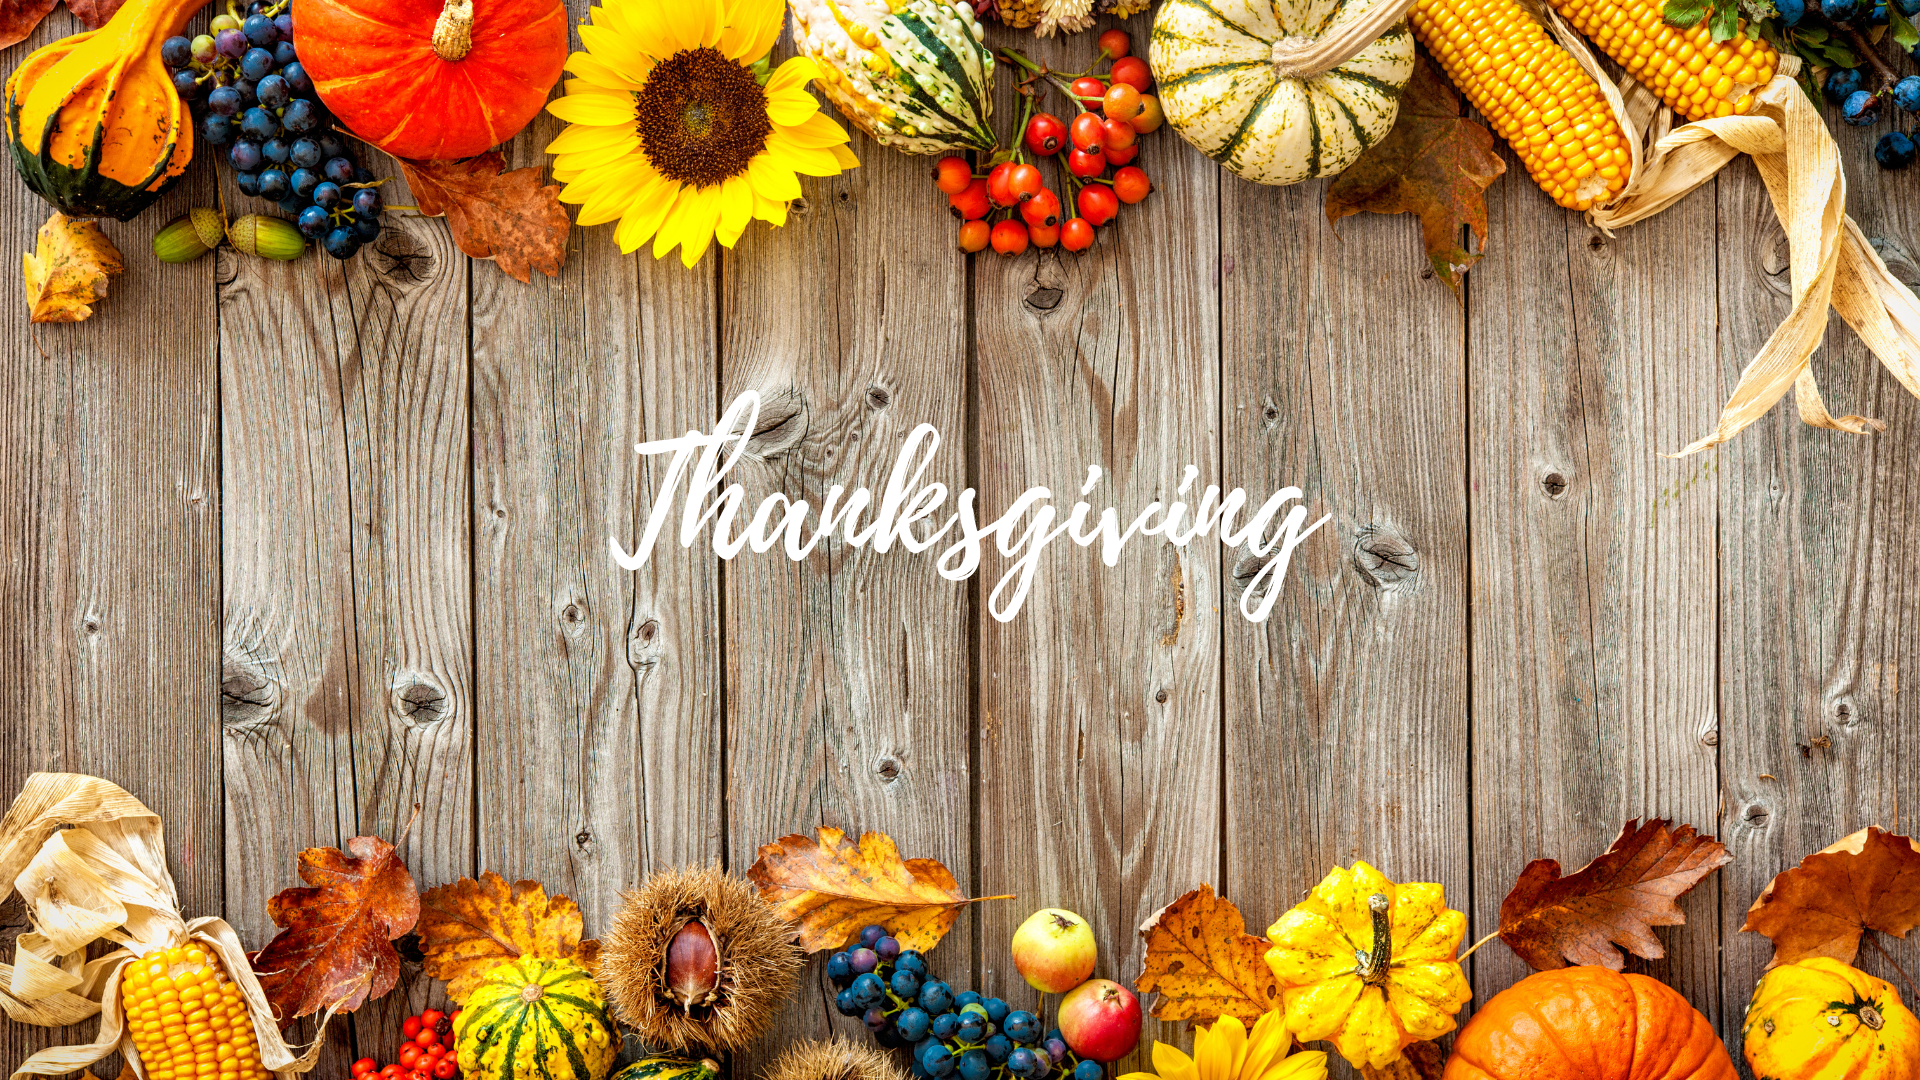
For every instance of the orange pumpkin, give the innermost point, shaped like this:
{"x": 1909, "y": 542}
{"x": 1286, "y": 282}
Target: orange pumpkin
{"x": 433, "y": 79}
{"x": 1588, "y": 1023}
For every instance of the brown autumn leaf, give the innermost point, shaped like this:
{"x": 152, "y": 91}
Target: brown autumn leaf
{"x": 1869, "y": 880}
{"x": 1435, "y": 163}
{"x": 470, "y": 927}
{"x": 514, "y": 218}
{"x": 831, "y": 887}
{"x": 336, "y": 945}
{"x": 1203, "y": 963}
{"x": 69, "y": 269}
{"x": 1617, "y": 898}
{"x": 19, "y": 18}
{"x": 1420, "y": 1061}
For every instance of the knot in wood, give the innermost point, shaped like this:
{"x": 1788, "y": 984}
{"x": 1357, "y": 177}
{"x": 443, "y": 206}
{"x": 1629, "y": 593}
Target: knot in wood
{"x": 1160, "y": 695}
{"x": 1555, "y": 484}
{"x": 1384, "y": 555}
{"x": 421, "y": 702}
{"x": 878, "y": 397}
{"x": 888, "y": 768}
{"x": 1045, "y": 298}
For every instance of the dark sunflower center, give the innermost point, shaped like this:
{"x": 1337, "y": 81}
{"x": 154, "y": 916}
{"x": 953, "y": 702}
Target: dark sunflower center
{"x": 701, "y": 117}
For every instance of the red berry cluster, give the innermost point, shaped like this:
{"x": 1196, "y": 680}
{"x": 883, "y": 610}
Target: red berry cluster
{"x": 1113, "y": 111}
{"x": 427, "y": 1053}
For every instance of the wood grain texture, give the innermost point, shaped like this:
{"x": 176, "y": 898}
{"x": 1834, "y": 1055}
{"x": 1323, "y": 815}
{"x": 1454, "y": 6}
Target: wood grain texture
{"x": 847, "y": 673}
{"x": 1099, "y": 707}
{"x": 1594, "y": 601}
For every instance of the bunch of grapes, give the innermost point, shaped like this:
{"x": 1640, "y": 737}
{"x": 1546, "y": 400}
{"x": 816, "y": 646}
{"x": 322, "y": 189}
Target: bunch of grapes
{"x": 950, "y": 1033}
{"x": 1112, "y": 111}
{"x": 249, "y": 93}
{"x": 426, "y": 1052}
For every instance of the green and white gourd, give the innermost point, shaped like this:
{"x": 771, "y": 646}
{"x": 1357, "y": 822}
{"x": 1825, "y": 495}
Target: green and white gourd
{"x": 1282, "y": 91}
{"x": 916, "y": 75}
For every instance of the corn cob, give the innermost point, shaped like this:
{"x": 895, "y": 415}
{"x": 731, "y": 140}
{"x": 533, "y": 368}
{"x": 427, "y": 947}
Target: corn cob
{"x": 188, "y": 1019}
{"x": 1696, "y": 76}
{"x": 1533, "y": 92}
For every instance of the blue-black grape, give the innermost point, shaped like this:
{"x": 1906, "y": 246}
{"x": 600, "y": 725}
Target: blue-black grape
{"x": 936, "y": 997}
{"x": 875, "y": 1020}
{"x": 838, "y": 969}
{"x": 909, "y": 959}
{"x": 998, "y": 1046}
{"x": 330, "y": 144}
{"x": 935, "y": 1058}
{"x": 1023, "y": 1062}
{"x": 861, "y": 960}
{"x": 1021, "y": 1025}
{"x": 889, "y": 1038}
{"x": 176, "y": 52}
{"x": 217, "y": 130}
{"x": 258, "y": 123}
{"x": 257, "y": 64}
{"x": 843, "y": 1001}
{"x": 304, "y": 183}
{"x": 1841, "y": 11}
{"x": 362, "y": 174}
{"x": 915, "y": 1069}
{"x": 248, "y": 183}
{"x": 305, "y": 154}
{"x": 1909, "y": 8}
{"x": 223, "y": 101}
{"x": 284, "y": 53}
{"x": 973, "y": 1027}
{"x": 275, "y": 150}
{"x": 1056, "y": 1033}
{"x": 997, "y": 1011}
{"x": 260, "y": 31}
{"x": 274, "y": 92}
{"x": 301, "y": 116}
{"x": 367, "y": 228}
{"x": 1841, "y": 83}
{"x": 231, "y": 44}
{"x": 326, "y": 194}
{"x": 888, "y": 948}
{"x": 245, "y": 155}
{"x": 945, "y": 1025}
{"x": 274, "y": 185}
{"x": 283, "y": 22}
{"x": 868, "y": 990}
{"x": 187, "y": 85}
{"x": 870, "y": 934}
{"x": 297, "y": 78}
{"x": 1791, "y": 11}
{"x": 974, "y": 1065}
{"x": 248, "y": 99}
{"x": 1861, "y": 109}
{"x": 1088, "y": 1070}
{"x": 1906, "y": 93}
{"x": 1894, "y": 150}
{"x": 1056, "y": 1049}
{"x": 965, "y": 998}
{"x": 368, "y": 201}
{"x": 292, "y": 204}
{"x": 905, "y": 984}
{"x": 913, "y": 1023}
{"x": 341, "y": 243}
{"x": 312, "y": 224}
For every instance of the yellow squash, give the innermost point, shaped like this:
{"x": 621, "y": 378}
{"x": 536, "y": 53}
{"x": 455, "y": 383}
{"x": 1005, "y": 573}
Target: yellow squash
{"x": 1822, "y": 1020}
{"x": 1369, "y": 965}
{"x": 95, "y": 125}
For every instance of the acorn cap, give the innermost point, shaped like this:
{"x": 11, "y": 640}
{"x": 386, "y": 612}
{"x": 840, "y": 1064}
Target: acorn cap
{"x": 696, "y": 959}
{"x": 840, "y": 1059}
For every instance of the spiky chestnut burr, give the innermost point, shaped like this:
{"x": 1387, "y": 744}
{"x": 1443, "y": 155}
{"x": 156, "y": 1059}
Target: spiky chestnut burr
{"x": 840, "y": 1059}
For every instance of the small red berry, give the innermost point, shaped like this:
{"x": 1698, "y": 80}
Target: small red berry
{"x": 1123, "y": 156}
{"x": 1076, "y": 234}
{"x": 1088, "y": 132}
{"x": 446, "y": 1069}
{"x": 1043, "y": 236}
{"x": 436, "y": 1052}
{"x": 1025, "y": 182}
{"x": 392, "y": 1071}
{"x": 1010, "y": 237}
{"x": 1121, "y": 103}
{"x": 1090, "y": 91}
{"x": 1130, "y": 185}
{"x": 1150, "y": 117}
{"x": 971, "y": 203}
{"x": 410, "y": 1026}
{"x": 1133, "y": 71}
{"x": 1120, "y": 134}
{"x": 974, "y": 235}
{"x": 430, "y": 1017}
{"x": 425, "y": 1038}
{"x": 365, "y": 1066}
{"x": 997, "y": 189}
{"x": 1115, "y": 43}
{"x": 1043, "y": 210}
{"x": 419, "y": 1074}
{"x": 952, "y": 175}
{"x": 1098, "y": 204}
{"x": 409, "y": 1053}
{"x": 1083, "y": 163}
{"x": 1046, "y": 134}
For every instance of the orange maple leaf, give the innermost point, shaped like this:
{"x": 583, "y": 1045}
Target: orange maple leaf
{"x": 470, "y": 927}
{"x": 514, "y": 218}
{"x": 1617, "y": 898}
{"x": 68, "y": 269}
{"x": 1869, "y": 880}
{"x": 1203, "y": 963}
{"x": 336, "y": 946}
{"x": 832, "y": 887}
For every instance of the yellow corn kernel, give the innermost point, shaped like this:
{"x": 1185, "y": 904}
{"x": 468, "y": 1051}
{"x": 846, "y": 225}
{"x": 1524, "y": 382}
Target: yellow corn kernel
{"x": 1537, "y": 97}
{"x": 1693, "y": 74}
{"x": 181, "y": 1012}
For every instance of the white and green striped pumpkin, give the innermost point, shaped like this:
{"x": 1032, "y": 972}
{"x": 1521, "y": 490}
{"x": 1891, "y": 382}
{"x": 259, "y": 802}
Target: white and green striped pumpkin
{"x": 670, "y": 1067}
{"x": 914, "y": 74}
{"x": 536, "y": 1019}
{"x": 1213, "y": 61}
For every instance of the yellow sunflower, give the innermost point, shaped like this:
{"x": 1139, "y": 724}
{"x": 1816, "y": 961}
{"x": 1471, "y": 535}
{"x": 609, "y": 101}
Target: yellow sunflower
{"x": 1226, "y": 1051}
{"x": 671, "y": 133}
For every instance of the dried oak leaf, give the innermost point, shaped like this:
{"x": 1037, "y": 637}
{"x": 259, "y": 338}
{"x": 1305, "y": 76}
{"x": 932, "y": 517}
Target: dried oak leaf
{"x": 19, "y": 18}
{"x": 513, "y": 218}
{"x": 336, "y": 946}
{"x": 1203, "y": 963}
{"x": 1868, "y": 881}
{"x": 69, "y": 270}
{"x": 1420, "y": 1061}
{"x": 470, "y": 927}
{"x": 1435, "y": 163}
{"x": 831, "y": 887}
{"x": 1618, "y": 898}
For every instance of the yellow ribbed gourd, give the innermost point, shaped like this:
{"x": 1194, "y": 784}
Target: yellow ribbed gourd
{"x": 1534, "y": 94}
{"x": 187, "y": 1019}
{"x": 95, "y": 125}
{"x": 1696, "y": 76}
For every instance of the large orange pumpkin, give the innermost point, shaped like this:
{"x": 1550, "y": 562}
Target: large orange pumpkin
{"x": 1588, "y": 1023}
{"x": 433, "y": 79}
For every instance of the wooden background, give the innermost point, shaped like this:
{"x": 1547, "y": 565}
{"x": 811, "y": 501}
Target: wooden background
{"x": 292, "y": 547}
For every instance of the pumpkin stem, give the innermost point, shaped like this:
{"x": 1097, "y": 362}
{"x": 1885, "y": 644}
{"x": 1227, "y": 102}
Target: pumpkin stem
{"x": 453, "y": 30}
{"x": 1871, "y": 1017}
{"x": 1305, "y": 57}
{"x": 1378, "y": 962}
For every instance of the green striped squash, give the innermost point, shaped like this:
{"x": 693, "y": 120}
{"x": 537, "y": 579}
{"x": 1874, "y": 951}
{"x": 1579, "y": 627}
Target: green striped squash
{"x": 1213, "y": 60}
{"x": 670, "y": 1067}
{"x": 536, "y": 1019}
{"x": 914, "y": 74}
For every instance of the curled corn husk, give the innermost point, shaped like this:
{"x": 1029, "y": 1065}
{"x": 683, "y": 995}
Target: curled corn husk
{"x": 89, "y": 861}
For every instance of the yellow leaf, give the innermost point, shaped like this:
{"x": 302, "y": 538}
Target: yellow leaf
{"x": 69, "y": 271}
{"x": 1203, "y": 963}
{"x": 470, "y": 927}
{"x": 832, "y": 887}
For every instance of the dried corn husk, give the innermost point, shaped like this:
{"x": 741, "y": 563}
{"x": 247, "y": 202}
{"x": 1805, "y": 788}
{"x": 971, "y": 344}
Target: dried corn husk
{"x": 1832, "y": 264}
{"x": 89, "y": 861}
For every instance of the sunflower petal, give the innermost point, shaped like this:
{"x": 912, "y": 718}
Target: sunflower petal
{"x": 845, "y": 157}
{"x": 601, "y": 110}
{"x": 690, "y": 226}
{"x": 794, "y": 74}
{"x": 771, "y": 211}
{"x": 802, "y": 159}
{"x": 686, "y": 22}
{"x": 610, "y": 59}
{"x": 598, "y": 140}
{"x": 736, "y": 210}
{"x": 618, "y": 194}
{"x": 1171, "y": 1064}
{"x": 771, "y": 181}
{"x": 817, "y": 130}
{"x": 752, "y": 28}
{"x": 649, "y": 208}
{"x": 791, "y": 106}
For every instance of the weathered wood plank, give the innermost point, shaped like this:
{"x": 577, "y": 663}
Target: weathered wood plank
{"x": 1100, "y": 725}
{"x": 1820, "y": 589}
{"x": 1593, "y": 615}
{"x": 1346, "y": 716}
{"x": 847, "y": 673}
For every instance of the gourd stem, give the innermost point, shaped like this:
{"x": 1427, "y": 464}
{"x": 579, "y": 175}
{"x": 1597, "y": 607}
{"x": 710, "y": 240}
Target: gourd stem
{"x": 453, "y": 30}
{"x": 1303, "y": 58}
{"x": 1380, "y": 960}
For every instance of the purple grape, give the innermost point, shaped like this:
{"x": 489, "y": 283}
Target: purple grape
{"x": 367, "y": 201}
{"x": 862, "y": 960}
{"x": 231, "y": 44}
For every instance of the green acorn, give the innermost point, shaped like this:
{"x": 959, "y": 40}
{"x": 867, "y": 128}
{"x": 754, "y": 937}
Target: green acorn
{"x": 189, "y": 236}
{"x": 257, "y": 234}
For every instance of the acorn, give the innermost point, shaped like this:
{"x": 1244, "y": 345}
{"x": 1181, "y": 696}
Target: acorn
{"x": 695, "y": 959}
{"x": 839, "y": 1059}
{"x": 189, "y": 236}
{"x": 257, "y": 234}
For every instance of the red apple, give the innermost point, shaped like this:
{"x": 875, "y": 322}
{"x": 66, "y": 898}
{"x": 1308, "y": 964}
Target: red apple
{"x": 1054, "y": 950}
{"x": 1101, "y": 1020}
